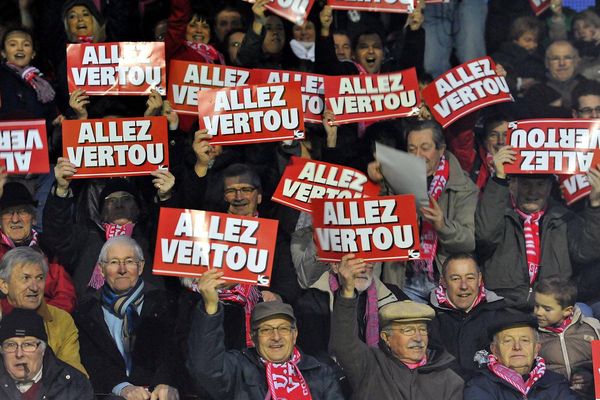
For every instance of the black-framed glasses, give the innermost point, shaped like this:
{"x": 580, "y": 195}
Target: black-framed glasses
{"x": 589, "y": 110}
{"x": 21, "y": 212}
{"x": 283, "y": 330}
{"x": 246, "y": 190}
{"x": 27, "y": 347}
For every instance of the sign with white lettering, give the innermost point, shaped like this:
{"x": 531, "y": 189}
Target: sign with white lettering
{"x": 539, "y": 6}
{"x": 361, "y": 98}
{"x": 108, "y": 147}
{"x": 574, "y": 187}
{"x": 375, "y": 229}
{"x": 190, "y": 242}
{"x": 464, "y": 89}
{"x": 24, "y": 147}
{"x": 553, "y": 146}
{"x": 252, "y": 114}
{"x": 391, "y": 6}
{"x": 304, "y": 180}
{"x": 295, "y": 11}
{"x": 123, "y": 68}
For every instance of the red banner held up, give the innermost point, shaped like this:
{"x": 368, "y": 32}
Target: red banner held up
{"x": 304, "y": 180}
{"x": 539, "y": 6}
{"x": 375, "y": 229}
{"x": 189, "y": 242}
{"x": 596, "y": 364}
{"x": 295, "y": 11}
{"x": 252, "y": 114}
{"x": 553, "y": 146}
{"x": 574, "y": 187}
{"x": 24, "y": 147}
{"x": 391, "y": 6}
{"x": 361, "y": 98}
{"x": 464, "y": 89}
{"x": 108, "y": 147}
{"x": 313, "y": 91}
{"x": 123, "y": 68}
{"x": 187, "y": 78}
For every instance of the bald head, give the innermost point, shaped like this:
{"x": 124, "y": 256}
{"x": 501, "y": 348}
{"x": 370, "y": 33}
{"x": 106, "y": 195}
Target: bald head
{"x": 562, "y": 60}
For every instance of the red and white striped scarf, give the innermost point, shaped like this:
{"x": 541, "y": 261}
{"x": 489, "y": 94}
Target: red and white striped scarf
{"x": 429, "y": 237}
{"x": 442, "y": 297}
{"x": 513, "y": 377}
{"x": 207, "y": 52}
{"x": 4, "y": 239}
{"x": 285, "y": 380}
{"x": 110, "y": 230}
{"x": 563, "y": 325}
{"x": 247, "y": 296}
{"x": 531, "y": 229}
{"x": 33, "y": 77}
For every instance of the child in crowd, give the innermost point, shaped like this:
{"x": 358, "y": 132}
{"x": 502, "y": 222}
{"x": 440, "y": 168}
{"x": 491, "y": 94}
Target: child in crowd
{"x": 565, "y": 334}
{"x": 521, "y": 57}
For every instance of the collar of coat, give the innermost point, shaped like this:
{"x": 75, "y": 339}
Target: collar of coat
{"x": 490, "y": 297}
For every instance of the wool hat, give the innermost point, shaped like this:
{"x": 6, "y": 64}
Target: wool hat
{"x": 89, "y": 4}
{"x": 507, "y": 320}
{"x": 16, "y": 194}
{"x": 271, "y": 309}
{"x": 116, "y": 185}
{"x": 21, "y": 322}
{"x": 405, "y": 311}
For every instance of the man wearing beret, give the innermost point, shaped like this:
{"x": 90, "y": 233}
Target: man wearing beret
{"x": 30, "y": 370}
{"x": 514, "y": 369}
{"x": 404, "y": 366}
{"x": 274, "y": 369}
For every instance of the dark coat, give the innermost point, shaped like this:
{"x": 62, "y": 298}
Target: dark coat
{"x": 378, "y": 374}
{"x": 463, "y": 334}
{"x": 236, "y": 375}
{"x": 59, "y": 381}
{"x": 155, "y": 357}
{"x": 487, "y": 386}
{"x": 519, "y": 63}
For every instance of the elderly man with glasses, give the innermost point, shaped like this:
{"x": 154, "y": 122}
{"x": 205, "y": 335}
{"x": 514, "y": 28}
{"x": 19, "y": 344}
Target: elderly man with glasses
{"x": 275, "y": 368}
{"x": 126, "y": 329}
{"x": 29, "y": 369}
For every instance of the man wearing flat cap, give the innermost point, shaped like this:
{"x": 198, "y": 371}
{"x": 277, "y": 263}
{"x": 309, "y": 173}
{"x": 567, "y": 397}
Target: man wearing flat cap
{"x": 514, "y": 369}
{"x": 274, "y": 369}
{"x": 30, "y": 370}
{"x": 404, "y": 366}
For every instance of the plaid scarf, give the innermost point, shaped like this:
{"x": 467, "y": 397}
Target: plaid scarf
{"x": 245, "y": 295}
{"x": 207, "y": 52}
{"x": 443, "y": 300}
{"x": 33, "y": 77}
{"x": 563, "y": 325}
{"x": 285, "y": 380}
{"x": 124, "y": 307}
{"x": 513, "y": 377}
{"x": 4, "y": 239}
{"x": 429, "y": 240}
{"x": 531, "y": 229}
{"x": 110, "y": 230}
{"x": 371, "y": 312}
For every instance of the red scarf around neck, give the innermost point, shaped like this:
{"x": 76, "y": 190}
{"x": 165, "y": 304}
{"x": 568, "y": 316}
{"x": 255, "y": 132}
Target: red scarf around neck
{"x": 245, "y": 295}
{"x": 207, "y": 52}
{"x": 513, "y": 377}
{"x": 429, "y": 239}
{"x": 416, "y": 365}
{"x": 531, "y": 230}
{"x": 442, "y": 297}
{"x": 285, "y": 380}
{"x": 563, "y": 325}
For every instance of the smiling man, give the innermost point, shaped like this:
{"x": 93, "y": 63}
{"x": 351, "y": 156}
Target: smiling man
{"x": 275, "y": 368}
{"x": 464, "y": 309}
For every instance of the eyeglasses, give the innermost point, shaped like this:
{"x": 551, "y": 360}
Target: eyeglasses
{"x": 411, "y": 331}
{"x": 27, "y": 347}
{"x": 588, "y": 111}
{"x": 283, "y": 330}
{"x": 118, "y": 198}
{"x": 244, "y": 190}
{"x": 21, "y": 212}
{"x": 555, "y": 59}
{"x": 128, "y": 262}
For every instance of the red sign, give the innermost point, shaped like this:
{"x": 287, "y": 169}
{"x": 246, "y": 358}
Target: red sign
{"x": 313, "y": 91}
{"x": 252, "y": 114}
{"x": 108, "y": 147}
{"x": 376, "y": 229}
{"x": 304, "y": 180}
{"x": 187, "y": 78}
{"x": 190, "y": 242}
{"x": 574, "y": 187}
{"x": 295, "y": 11}
{"x": 596, "y": 363}
{"x": 360, "y": 98}
{"x": 539, "y": 6}
{"x": 553, "y": 146}
{"x": 464, "y": 89}
{"x": 24, "y": 147}
{"x": 123, "y": 68}
{"x": 391, "y": 6}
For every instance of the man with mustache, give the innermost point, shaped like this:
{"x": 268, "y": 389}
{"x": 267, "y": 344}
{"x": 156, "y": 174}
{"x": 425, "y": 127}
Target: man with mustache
{"x": 405, "y": 365}
{"x": 464, "y": 309}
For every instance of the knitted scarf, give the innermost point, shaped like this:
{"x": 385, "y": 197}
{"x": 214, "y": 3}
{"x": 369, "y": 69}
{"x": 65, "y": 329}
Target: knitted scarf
{"x": 247, "y": 296}
{"x": 371, "y": 311}
{"x": 513, "y": 377}
{"x": 207, "y": 52}
{"x": 486, "y": 169}
{"x": 85, "y": 39}
{"x": 124, "y": 307}
{"x": 563, "y": 325}
{"x": 443, "y": 300}
{"x": 110, "y": 230}
{"x": 531, "y": 229}
{"x": 416, "y": 365}
{"x": 285, "y": 380}
{"x": 429, "y": 238}
{"x": 4, "y": 239}
{"x": 33, "y": 77}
